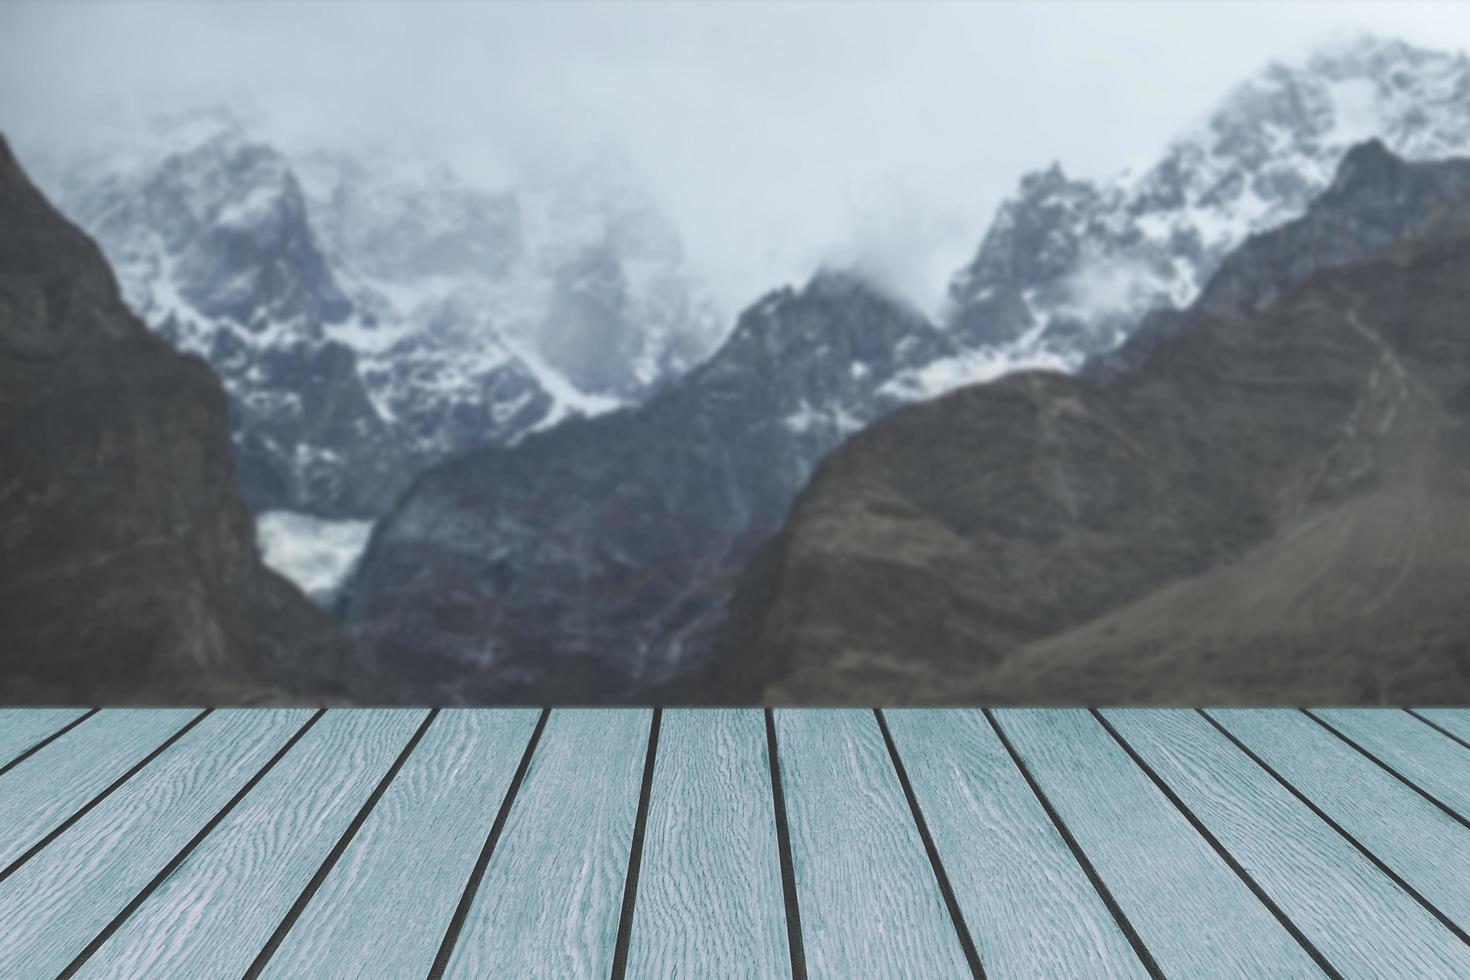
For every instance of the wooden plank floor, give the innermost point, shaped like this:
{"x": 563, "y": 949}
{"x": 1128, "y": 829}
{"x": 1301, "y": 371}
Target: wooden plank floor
{"x": 734, "y": 843}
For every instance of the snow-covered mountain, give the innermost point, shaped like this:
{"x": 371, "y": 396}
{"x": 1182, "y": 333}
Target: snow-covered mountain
{"x": 372, "y": 314}
{"x": 1069, "y": 266}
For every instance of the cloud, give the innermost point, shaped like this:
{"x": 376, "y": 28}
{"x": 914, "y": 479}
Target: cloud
{"x": 776, "y": 136}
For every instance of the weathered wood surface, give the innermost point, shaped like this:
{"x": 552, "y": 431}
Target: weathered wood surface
{"x": 22, "y": 728}
{"x": 1360, "y": 920}
{"x": 176, "y": 843}
{"x": 58, "y": 901}
{"x": 384, "y": 908}
{"x": 1193, "y": 912}
{"x": 709, "y": 897}
{"x": 870, "y": 904}
{"x": 549, "y": 902}
{"x": 1028, "y": 904}
{"x": 1408, "y": 833}
{"x": 213, "y": 915}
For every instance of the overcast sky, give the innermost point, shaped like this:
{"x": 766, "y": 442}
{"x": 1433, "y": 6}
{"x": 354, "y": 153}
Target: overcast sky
{"x": 776, "y": 136}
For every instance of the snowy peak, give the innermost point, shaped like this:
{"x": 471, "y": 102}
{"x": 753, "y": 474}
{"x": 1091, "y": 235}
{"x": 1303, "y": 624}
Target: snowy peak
{"x": 1070, "y": 266}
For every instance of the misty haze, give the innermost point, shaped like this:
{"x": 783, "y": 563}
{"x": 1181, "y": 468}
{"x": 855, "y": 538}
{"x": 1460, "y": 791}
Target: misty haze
{"x": 719, "y": 354}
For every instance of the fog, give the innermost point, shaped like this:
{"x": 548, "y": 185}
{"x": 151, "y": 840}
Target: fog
{"x": 777, "y": 137}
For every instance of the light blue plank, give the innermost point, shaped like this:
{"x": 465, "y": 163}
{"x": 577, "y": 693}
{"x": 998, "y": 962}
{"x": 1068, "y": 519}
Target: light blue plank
{"x": 1435, "y": 764}
{"x": 383, "y": 910}
{"x": 1026, "y": 900}
{"x": 1192, "y": 912}
{"x": 59, "y": 900}
{"x": 1456, "y": 721}
{"x": 212, "y": 916}
{"x": 548, "y": 905}
{"x": 709, "y": 890}
{"x": 870, "y": 905}
{"x": 21, "y": 728}
{"x": 1363, "y": 923}
{"x": 1425, "y": 847}
{"x": 38, "y": 795}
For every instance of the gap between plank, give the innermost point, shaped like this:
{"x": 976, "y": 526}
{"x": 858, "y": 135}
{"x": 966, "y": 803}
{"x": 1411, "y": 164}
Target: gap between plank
{"x": 472, "y": 886}
{"x": 1429, "y": 906}
{"x": 957, "y": 917}
{"x": 86, "y": 808}
{"x": 183, "y": 854}
{"x": 302, "y": 900}
{"x": 1449, "y": 811}
{"x": 783, "y": 845}
{"x": 1220, "y": 849}
{"x": 1136, "y": 941}
{"x": 47, "y": 741}
{"x": 635, "y": 853}
{"x": 1439, "y": 728}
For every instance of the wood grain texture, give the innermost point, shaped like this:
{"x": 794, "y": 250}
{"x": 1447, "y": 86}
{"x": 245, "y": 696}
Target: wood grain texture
{"x": 65, "y": 895}
{"x": 870, "y": 905}
{"x": 384, "y": 908}
{"x": 1437, "y": 765}
{"x": 211, "y": 917}
{"x": 1456, "y": 721}
{"x": 1193, "y": 913}
{"x": 21, "y": 728}
{"x": 1028, "y": 904}
{"x": 44, "y": 790}
{"x": 1427, "y": 848}
{"x": 1363, "y": 923}
{"x": 549, "y": 903}
{"x": 709, "y": 892}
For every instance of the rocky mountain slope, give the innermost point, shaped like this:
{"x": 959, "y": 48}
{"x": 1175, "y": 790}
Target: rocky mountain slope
{"x": 587, "y": 562}
{"x": 128, "y": 568}
{"x": 1068, "y": 271}
{"x": 1273, "y": 508}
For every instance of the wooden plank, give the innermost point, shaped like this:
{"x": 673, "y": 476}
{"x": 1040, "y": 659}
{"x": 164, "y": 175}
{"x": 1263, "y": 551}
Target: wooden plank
{"x": 1194, "y": 914}
{"x": 1456, "y": 721}
{"x": 383, "y": 909}
{"x": 65, "y": 895}
{"x": 213, "y": 915}
{"x": 1364, "y": 924}
{"x": 870, "y": 904}
{"x": 21, "y": 728}
{"x": 549, "y": 903}
{"x": 1408, "y": 833}
{"x": 709, "y": 893}
{"x": 1435, "y": 764}
{"x": 44, "y": 790}
{"x": 1029, "y": 906}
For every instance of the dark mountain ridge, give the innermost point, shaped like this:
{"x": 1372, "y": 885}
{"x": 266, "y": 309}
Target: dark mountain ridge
{"x": 128, "y": 569}
{"x": 1273, "y": 506}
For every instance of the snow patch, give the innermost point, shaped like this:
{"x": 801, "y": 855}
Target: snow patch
{"x": 316, "y": 554}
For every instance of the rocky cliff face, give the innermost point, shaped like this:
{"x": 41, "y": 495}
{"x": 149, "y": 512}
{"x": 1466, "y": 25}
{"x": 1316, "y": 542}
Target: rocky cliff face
{"x": 587, "y": 562}
{"x": 1273, "y": 508}
{"x": 128, "y": 569}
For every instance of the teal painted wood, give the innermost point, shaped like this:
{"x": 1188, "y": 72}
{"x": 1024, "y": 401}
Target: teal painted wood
{"x": 1456, "y": 721}
{"x": 1027, "y": 902}
{"x": 21, "y": 728}
{"x": 1418, "y": 841}
{"x": 709, "y": 891}
{"x": 870, "y": 904}
{"x": 66, "y": 894}
{"x": 1193, "y": 913}
{"x": 548, "y": 905}
{"x": 383, "y": 909}
{"x": 212, "y": 916}
{"x": 38, "y": 795}
{"x": 1363, "y": 923}
{"x": 1437, "y": 765}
